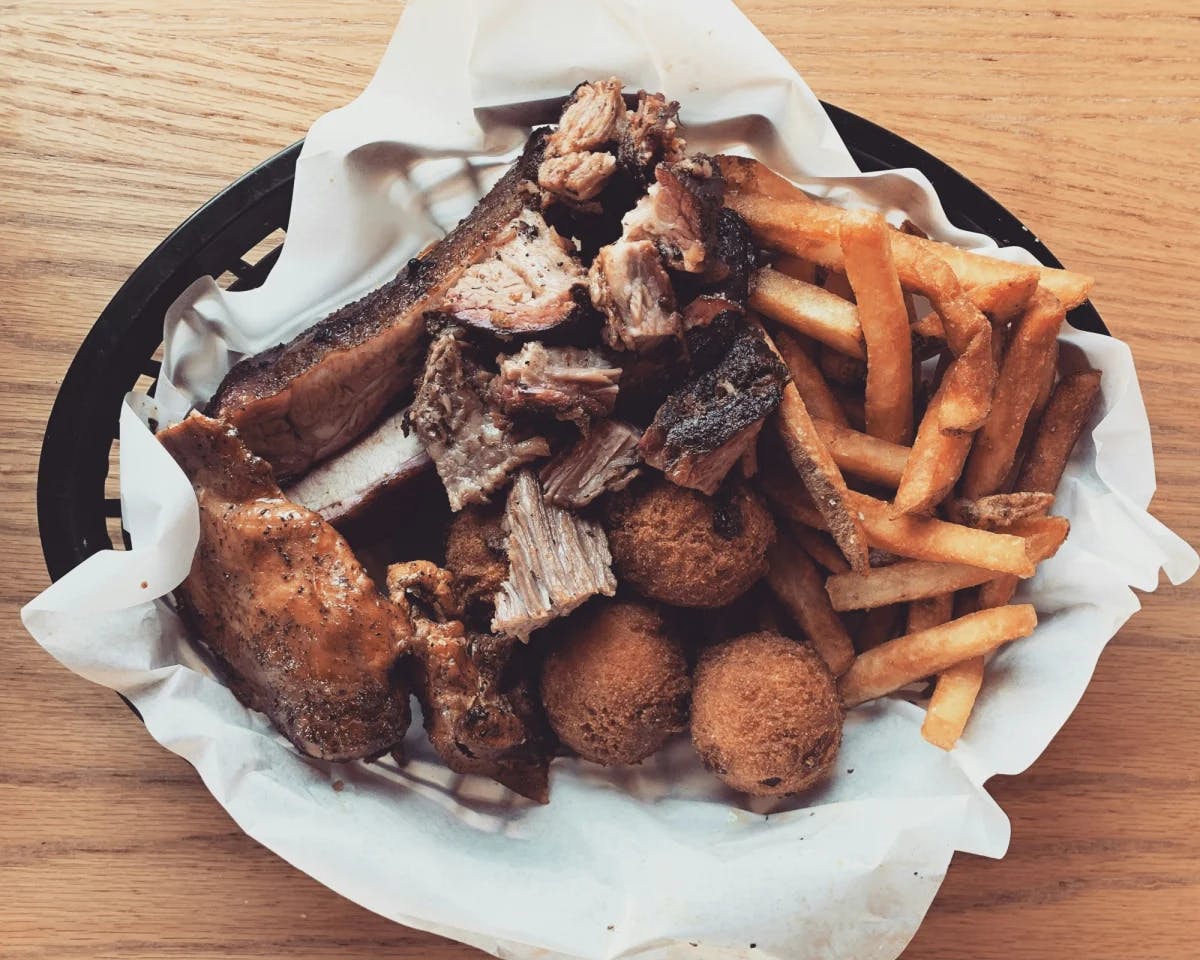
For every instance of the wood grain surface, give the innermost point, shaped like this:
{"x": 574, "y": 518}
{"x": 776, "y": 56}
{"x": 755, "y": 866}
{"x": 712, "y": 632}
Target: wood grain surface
{"x": 119, "y": 117}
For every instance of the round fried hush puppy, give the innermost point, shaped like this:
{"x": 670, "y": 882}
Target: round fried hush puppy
{"x": 683, "y": 548}
{"x": 475, "y": 554}
{"x": 766, "y": 717}
{"x": 616, "y": 684}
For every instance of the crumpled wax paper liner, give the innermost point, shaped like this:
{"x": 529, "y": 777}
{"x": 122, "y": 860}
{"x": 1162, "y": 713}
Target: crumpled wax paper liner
{"x": 653, "y": 861}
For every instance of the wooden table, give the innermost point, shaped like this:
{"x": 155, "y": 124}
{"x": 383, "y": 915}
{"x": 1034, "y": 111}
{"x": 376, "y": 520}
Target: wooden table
{"x": 119, "y": 117}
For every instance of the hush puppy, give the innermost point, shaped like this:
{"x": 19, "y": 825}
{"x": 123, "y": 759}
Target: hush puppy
{"x": 766, "y": 717}
{"x": 616, "y": 684}
{"x": 683, "y": 548}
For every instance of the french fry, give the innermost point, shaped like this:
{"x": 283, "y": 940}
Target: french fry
{"x": 898, "y": 662}
{"x": 1042, "y": 535}
{"x": 852, "y": 402}
{"x": 998, "y": 592}
{"x": 808, "y": 228}
{"x": 1021, "y": 376}
{"x": 803, "y": 270}
{"x": 1000, "y": 510}
{"x": 796, "y": 582}
{"x": 902, "y": 583}
{"x": 877, "y": 627}
{"x": 839, "y": 285}
{"x": 952, "y": 702}
{"x": 819, "y": 473}
{"x": 820, "y": 547}
{"x": 1032, "y": 424}
{"x": 843, "y": 370}
{"x": 806, "y": 375}
{"x": 1070, "y": 407}
{"x": 1006, "y": 297}
{"x": 926, "y": 538}
{"x": 808, "y": 309}
{"x": 935, "y": 462}
{"x": 751, "y": 176}
{"x": 883, "y": 316}
{"x": 865, "y": 456}
{"x": 929, "y": 612}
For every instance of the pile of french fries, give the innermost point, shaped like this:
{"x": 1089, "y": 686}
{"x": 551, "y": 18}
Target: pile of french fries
{"x": 924, "y": 448}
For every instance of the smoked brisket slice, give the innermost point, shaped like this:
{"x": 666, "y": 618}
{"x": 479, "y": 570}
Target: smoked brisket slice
{"x": 568, "y": 383}
{"x": 350, "y": 482}
{"x": 296, "y": 627}
{"x": 531, "y": 281}
{"x": 631, "y": 288}
{"x": 556, "y": 561}
{"x": 606, "y": 459}
{"x": 300, "y": 402}
{"x": 473, "y": 444}
{"x": 578, "y": 163}
{"x": 679, "y": 213}
{"x": 707, "y": 425}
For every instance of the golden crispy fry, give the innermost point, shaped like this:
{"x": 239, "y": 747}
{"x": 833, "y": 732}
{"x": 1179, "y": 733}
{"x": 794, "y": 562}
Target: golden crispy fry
{"x": 751, "y": 176}
{"x": 843, "y": 370}
{"x": 877, "y": 627}
{"x": 807, "y": 228}
{"x": 806, "y": 375}
{"x": 820, "y": 547}
{"x": 1066, "y": 415}
{"x": 926, "y": 538}
{"x": 1032, "y": 424}
{"x": 865, "y": 456}
{"x": 1021, "y": 376}
{"x": 891, "y": 666}
{"x": 883, "y": 316}
{"x": 952, "y": 702}
{"x": 1000, "y": 510}
{"x": 901, "y": 583}
{"x": 1005, "y": 297}
{"x": 852, "y": 402}
{"x": 809, "y": 310}
{"x": 935, "y": 463}
{"x": 839, "y": 285}
{"x": 819, "y": 473}
{"x": 929, "y": 327}
{"x": 795, "y": 580}
{"x": 803, "y": 270}
{"x": 998, "y": 592}
{"x": 929, "y": 612}
{"x": 1043, "y": 535}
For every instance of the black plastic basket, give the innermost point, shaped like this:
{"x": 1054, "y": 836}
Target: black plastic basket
{"x": 119, "y": 354}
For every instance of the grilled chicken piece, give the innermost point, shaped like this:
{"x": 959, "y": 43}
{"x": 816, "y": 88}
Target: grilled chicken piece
{"x": 577, "y": 164}
{"x": 531, "y": 282}
{"x": 474, "y": 445}
{"x": 348, "y": 484}
{"x": 630, "y": 287}
{"x": 569, "y": 383}
{"x": 291, "y": 619}
{"x": 606, "y": 459}
{"x": 479, "y": 714}
{"x": 649, "y": 136}
{"x": 679, "y": 213}
{"x": 301, "y": 402}
{"x": 556, "y": 561}
{"x": 707, "y": 425}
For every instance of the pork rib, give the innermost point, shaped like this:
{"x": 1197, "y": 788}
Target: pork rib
{"x": 293, "y": 622}
{"x": 568, "y": 383}
{"x": 302, "y": 401}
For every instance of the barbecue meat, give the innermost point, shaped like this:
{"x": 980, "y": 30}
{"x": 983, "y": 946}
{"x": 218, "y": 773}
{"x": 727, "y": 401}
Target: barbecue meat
{"x": 606, "y": 459}
{"x": 706, "y": 426}
{"x": 348, "y": 484}
{"x": 578, "y": 162}
{"x": 650, "y": 135}
{"x": 556, "y": 561}
{"x": 477, "y": 556}
{"x": 298, "y": 403}
{"x": 679, "y": 213}
{"x": 479, "y": 714}
{"x": 630, "y": 287}
{"x": 474, "y": 445}
{"x": 568, "y": 383}
{"x": 290, "y": 617}
{"x": 531, "y": 281}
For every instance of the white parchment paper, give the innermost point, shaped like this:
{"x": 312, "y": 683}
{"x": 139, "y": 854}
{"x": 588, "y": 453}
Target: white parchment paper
{"x": 654, "y": 861}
